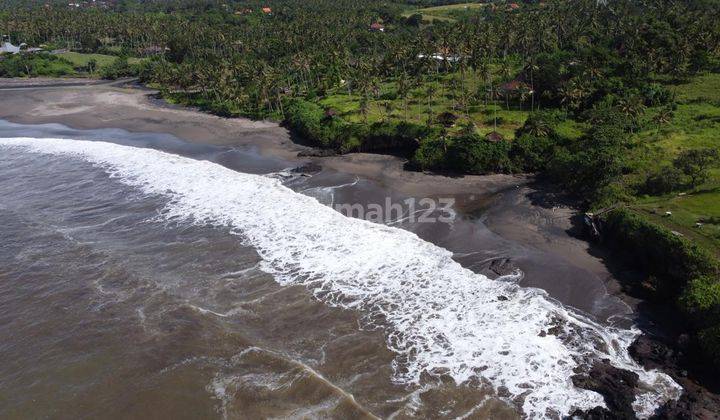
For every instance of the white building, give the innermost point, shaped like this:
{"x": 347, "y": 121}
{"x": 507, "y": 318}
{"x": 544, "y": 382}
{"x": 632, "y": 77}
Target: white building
{"x": 8, "y": 48}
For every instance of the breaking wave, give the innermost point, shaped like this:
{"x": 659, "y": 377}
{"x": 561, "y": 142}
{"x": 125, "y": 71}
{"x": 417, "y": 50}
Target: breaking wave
{"x": 439, "y": 318}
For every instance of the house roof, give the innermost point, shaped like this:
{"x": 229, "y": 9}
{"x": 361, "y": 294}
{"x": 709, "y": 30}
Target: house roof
{"x": 494, "y": 137}
{"x": 512, "y": 85}
{"x": 377, "y": 25}
{"x": 266, "y": 10}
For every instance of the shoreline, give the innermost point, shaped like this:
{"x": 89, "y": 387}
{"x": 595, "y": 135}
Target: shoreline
{"x": 119, "y": 105}
{"x": 511, "y": 207}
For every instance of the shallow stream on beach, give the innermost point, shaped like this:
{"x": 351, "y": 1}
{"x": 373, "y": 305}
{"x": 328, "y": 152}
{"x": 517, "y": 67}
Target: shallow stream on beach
{"x": 144, "y": 276}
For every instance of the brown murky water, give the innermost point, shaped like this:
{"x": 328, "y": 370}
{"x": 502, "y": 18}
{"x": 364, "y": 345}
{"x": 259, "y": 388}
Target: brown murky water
{"x": 108, "y": 309}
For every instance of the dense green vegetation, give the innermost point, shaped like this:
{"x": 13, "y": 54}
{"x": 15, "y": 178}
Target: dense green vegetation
{"x": 35, "y": 65}
{"x": 680, "y": 271}
{"x": 617, "y": 101}
{"x": 70, "y": 64}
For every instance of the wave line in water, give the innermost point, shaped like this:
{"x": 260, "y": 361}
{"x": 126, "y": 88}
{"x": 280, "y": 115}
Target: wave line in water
{"x": 439, "y": 318}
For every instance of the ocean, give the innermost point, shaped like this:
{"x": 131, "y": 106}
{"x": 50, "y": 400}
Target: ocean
{"x": 144, "y": 276}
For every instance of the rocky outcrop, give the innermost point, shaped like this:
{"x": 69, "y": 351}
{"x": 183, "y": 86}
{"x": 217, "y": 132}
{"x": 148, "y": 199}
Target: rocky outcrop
{"x": 307, "y": 169}
{"x": 696, "y": 402}
{"x": 317, "y": 153}
{"x": 617, "y": 386}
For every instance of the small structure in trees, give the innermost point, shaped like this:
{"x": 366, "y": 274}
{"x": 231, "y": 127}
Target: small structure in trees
{"x": 153, "y": 50}
{"x": 512, "y": 86}
{"x": 377, "y": 27}
{"x": 447, "y": 119}
{"x": 330, "y": 113}
{"x": 8, "y": 48}
{"x": 267, "y": 10}
{"x": 494, "y": 137}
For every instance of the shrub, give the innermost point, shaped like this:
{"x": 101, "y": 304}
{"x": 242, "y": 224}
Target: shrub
{"x": 397, "y": 138}
{"x": 308, "y": 119}
{"x": 696, "y": 163}
{"x": 34, "y": 65}
{"x": 389, "y": 96}
{"x": 674, "y": 261}
{"x": 709, "y": 340}
{"x": 474, "y": 155}
{"x": 655, "y": 94}
{"x": 447, "y": 119}
{"x": 430, "y": 154}
{"x": 665, "y": 180}
{"x": 530, "y": 153}
{"x": 119, "y": 68}
{"x": 701, "y": 301}
{"x": 414, "y": 20}
{"x": 587, "y": 170}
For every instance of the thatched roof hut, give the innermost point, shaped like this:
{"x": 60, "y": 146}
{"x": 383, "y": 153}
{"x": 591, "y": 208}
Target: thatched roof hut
{"x": 494, "y": 137}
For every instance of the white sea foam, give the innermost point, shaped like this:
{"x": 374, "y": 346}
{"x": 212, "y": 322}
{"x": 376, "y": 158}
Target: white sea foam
{"x": 439, "y": 317}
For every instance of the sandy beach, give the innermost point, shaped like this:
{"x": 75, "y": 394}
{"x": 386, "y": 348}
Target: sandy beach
{"x": 505, "y": 221}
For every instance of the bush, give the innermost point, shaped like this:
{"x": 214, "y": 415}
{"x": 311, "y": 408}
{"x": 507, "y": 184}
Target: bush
{"x": 530, "y": 153}
{"x": 666, "y": 180}
{"x": 396, "y": 138}
{"x": 308, "y": 120}
{"x": 709, "y": 340}
{"x": 430, "y": 154}
{"x": 586, "y": 171}
{"x": 655, "y": 94}
{"x": 120, "y": 68}
{"x": 674, "y": 261}
{"x": 701, "y": 301}
{"x": 389, "y": 96}
{"x": 473, "y": 154}
{"x": 34, "y": 65}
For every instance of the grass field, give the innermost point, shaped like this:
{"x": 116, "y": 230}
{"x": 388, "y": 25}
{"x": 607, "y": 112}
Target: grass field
{"x": 81, "y": 60}
{"x": 417, "y": 107}
{"x": 448, "y": 13}
{"x": 696, "y": 124}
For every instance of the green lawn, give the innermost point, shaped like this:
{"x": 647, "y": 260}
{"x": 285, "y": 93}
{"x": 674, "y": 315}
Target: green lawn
{"x": 705, "y": 87}
{"x": 416, "y": 108}
{"x": 81, "y": 60}
{"x": 447, "y": 13}
{"x": 687, "y": 210}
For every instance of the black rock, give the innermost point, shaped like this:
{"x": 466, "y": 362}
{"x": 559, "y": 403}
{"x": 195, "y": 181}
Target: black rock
{"x": 652, "y": 354}
{"x": 317, "y": 153}
{"x": 497, "y": 267}
{"x": 694, "y": 403}
{"x": 596, "y": 413}
{"x": 309, "y": 168}
{"x": 617, "y": 386}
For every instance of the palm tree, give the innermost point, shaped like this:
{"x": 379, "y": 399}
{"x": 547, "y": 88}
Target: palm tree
{"x": 663, "y": 117}
{"x": 632, "y": 107}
